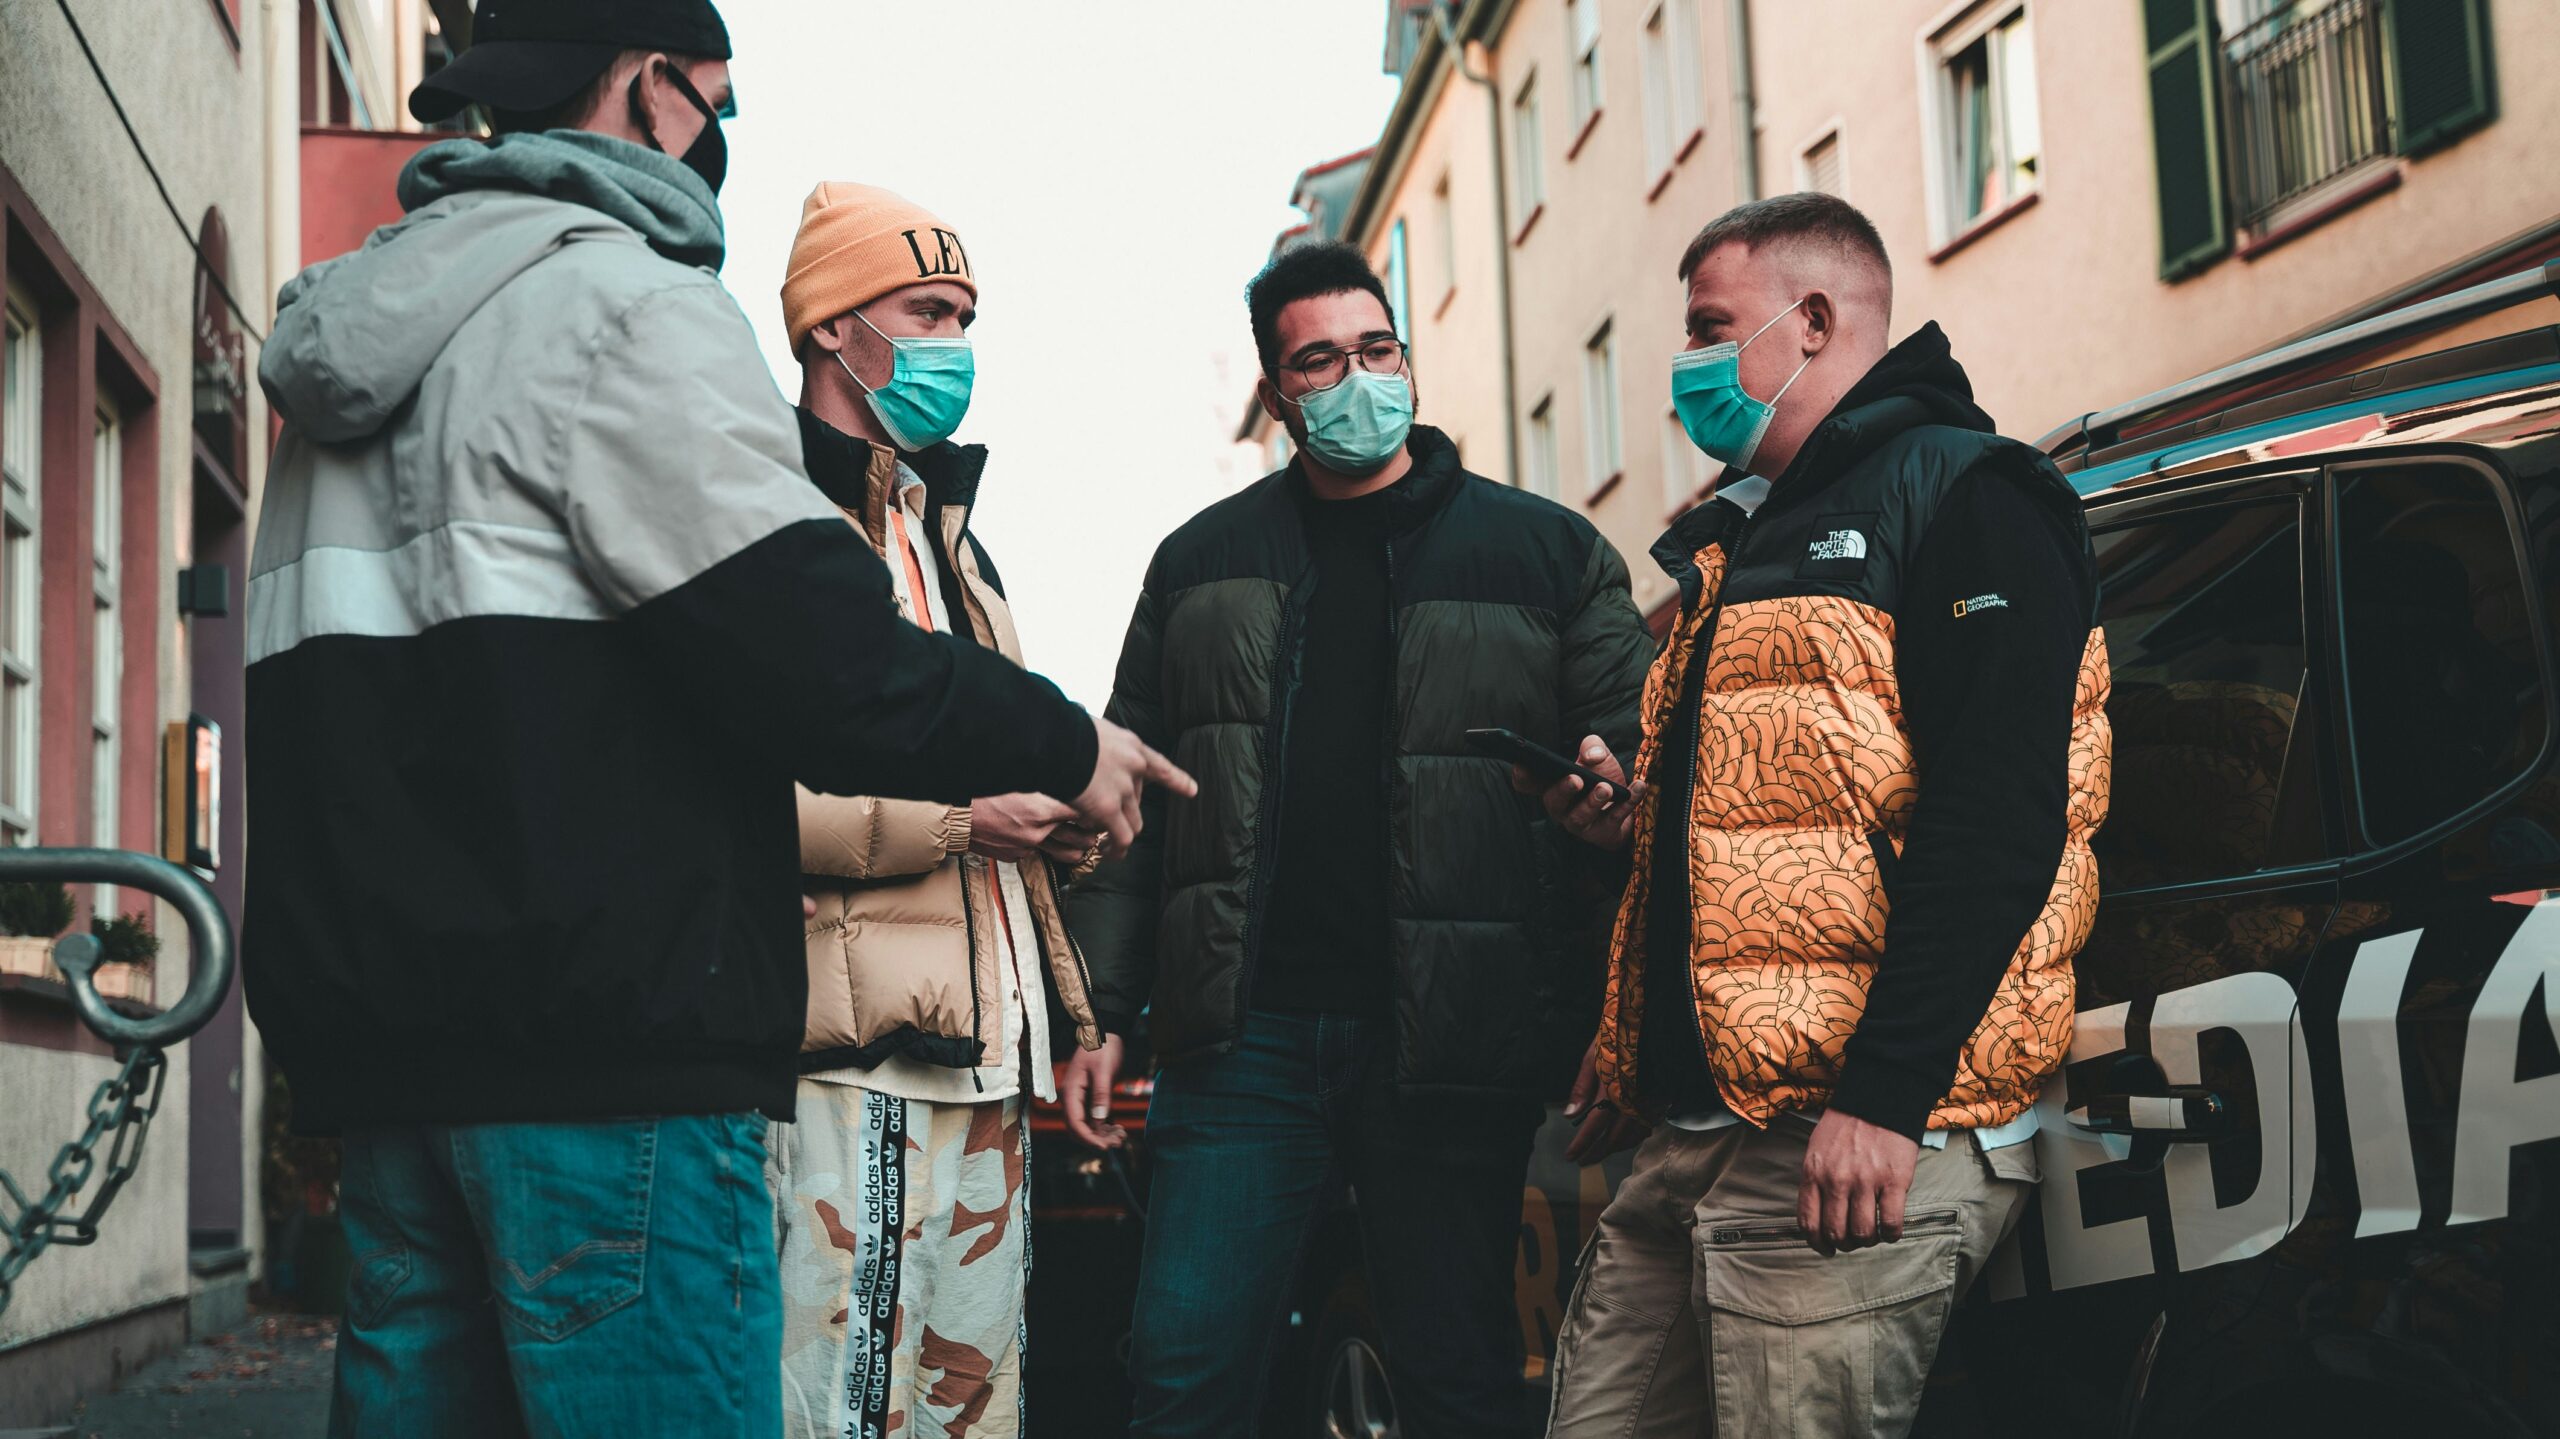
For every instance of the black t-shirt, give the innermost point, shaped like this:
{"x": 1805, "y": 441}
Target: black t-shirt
{"x": 1324, "y": 944}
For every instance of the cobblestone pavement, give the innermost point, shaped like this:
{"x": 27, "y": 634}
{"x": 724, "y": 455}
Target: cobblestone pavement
{"x": 268, "y": 1381}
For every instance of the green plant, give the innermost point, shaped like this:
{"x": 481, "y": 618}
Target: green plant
{"x": 125, "y": 940}
{"x": 33, "y": 910}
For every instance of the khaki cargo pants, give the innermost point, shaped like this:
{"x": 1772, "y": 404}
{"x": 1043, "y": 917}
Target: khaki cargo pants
{"x": 1701, "y": 1310}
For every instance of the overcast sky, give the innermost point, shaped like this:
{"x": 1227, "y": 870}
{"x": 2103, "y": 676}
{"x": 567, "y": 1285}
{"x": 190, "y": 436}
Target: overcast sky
{"x": 1117, "y": 169}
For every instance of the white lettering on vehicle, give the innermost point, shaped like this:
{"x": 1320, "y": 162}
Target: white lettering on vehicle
{"x": 2498, "y": 1110}
{"x": 2369, "y": 1062}
{"x": 2498, "y": 1113}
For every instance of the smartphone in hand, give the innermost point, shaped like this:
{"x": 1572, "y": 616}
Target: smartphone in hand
{"x": 1543, "y": 764}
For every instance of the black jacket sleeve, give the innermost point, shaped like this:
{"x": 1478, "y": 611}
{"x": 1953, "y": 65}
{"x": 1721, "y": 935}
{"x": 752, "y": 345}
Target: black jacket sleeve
{"x": 1995, "y": 616}
{"x": 1114, "y": 911}
{"x": 796, "y": 644}
{"x": 680, "y": 482}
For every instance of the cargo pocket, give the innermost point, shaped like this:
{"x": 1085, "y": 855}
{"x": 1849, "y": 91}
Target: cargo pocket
{"x": 564, "y": 1212}
{"x": 1801, "y": 1343}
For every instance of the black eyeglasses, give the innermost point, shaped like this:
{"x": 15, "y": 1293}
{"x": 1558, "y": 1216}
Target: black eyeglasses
{"x": 1325, "y": 369}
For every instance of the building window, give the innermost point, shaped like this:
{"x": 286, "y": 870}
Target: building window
{"x": 1671, "y": 93}
{"x": 2264, "y": 111}
{"x": 1445, "y": 216}
{"x": 1528, "y": 158}
{"x": 21, "y": 588}
{"x": 1685, "y": 467}
{"x": 1541, "y": 471}
{"x": 330, "y": 94}
{"x": 1582, "y": 19}
{"x": 1989, "y": 143}
{"x": 2305, "y": 87}
{"x": 1600, "y": 397}
{"x": 1823, "y": 166}
{"x": 106, "y": 650}
{"x": 1399, "y": 281}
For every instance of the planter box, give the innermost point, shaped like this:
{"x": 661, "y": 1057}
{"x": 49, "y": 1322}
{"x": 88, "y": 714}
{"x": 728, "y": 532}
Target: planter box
{"x": 28, "y": 956}
{"x": 125, "y": 981}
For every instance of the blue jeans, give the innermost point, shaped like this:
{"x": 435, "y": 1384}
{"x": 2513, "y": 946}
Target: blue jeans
{"x": 1249, "y": 1151}
{"x": 559, "y": 1280}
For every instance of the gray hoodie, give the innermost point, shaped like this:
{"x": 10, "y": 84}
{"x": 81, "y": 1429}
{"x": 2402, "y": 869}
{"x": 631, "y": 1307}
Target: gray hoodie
{"x": 544, "y": 618}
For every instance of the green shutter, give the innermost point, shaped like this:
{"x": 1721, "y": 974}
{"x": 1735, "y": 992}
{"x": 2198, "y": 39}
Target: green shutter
{"x": 2440, "y": 63}
{"x": 2186, "y": 148}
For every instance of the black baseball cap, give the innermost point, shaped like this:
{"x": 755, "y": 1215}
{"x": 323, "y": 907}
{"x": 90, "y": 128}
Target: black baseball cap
{"x": 533, "y": 54}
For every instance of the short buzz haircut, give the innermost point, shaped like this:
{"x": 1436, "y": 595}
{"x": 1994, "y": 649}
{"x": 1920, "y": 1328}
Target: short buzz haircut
{"x": 1808, "y": 218}
{"x": 1304, "y": 272}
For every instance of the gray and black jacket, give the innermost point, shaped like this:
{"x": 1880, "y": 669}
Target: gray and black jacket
{"x": 537, "y": 587}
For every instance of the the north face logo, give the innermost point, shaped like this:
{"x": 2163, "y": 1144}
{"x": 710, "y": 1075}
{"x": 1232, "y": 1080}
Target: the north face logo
{"x": 1838, "y": 545}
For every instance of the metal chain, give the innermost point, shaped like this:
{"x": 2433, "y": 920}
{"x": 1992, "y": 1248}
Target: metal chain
{"x": 122, "y": 1108}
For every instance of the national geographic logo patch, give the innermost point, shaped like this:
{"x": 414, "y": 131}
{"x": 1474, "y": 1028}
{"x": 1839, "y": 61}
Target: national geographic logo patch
{"x": 1981, "y": 602}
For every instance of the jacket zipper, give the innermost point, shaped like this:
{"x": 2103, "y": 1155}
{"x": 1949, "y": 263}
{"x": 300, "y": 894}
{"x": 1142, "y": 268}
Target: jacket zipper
{"x": 1387, "y": 779}
{"x": 1075, "y": 951}
{"x": 1274, "y": 730}
{"x": 1699, "y": 654}
{"x": 971, "y": 615}
{"x": 977, "y": 1013}
{"x": 1928, "y": 1223}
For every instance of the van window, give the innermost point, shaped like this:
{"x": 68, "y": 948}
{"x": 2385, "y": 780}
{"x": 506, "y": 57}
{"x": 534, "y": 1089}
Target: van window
{"x": 2444, "y": 697}
{"x": 2213, "y": 762}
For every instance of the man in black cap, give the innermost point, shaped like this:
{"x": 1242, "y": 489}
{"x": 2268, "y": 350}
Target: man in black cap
{"x": 537, "y": 65}
{"x": 546, "y": 618}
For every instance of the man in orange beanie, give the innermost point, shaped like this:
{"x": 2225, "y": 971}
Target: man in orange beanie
{"x": 903, "y": 1211}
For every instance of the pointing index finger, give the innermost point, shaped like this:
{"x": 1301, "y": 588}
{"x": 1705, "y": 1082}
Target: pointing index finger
{"x": 1165, "y": 772}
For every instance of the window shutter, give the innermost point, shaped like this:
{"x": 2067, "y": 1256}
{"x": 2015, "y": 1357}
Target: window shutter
{"x": 2440, "y": 58}
{"x": 2185, "y": 135}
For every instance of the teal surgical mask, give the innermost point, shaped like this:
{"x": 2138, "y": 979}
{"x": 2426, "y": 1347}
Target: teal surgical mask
{"x": 1356, "y": 427}
{"x": 1720, "y": 416}
{"x": 928, "y": 391}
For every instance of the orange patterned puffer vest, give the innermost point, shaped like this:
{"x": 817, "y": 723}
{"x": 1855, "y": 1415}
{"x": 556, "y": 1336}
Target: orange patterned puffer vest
{"x": 1804, "y": 789}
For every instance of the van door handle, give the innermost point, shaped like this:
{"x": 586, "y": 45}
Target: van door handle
{"x": 2183, "y": 1113}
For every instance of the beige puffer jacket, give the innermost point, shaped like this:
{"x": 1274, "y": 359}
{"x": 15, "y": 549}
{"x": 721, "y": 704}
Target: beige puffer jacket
{"x": 903, "y": 952}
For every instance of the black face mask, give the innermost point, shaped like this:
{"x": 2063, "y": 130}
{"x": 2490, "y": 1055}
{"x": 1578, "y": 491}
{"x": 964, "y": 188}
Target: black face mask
{"x": 708, "y": 155}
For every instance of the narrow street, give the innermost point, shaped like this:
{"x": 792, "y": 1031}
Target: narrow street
{"x": 270, "y": 1380}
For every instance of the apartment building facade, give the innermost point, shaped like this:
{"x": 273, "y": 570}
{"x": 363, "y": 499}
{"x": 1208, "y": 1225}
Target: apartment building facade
{"x": 151, "y": 202}
{"x": 2094, "y": 197}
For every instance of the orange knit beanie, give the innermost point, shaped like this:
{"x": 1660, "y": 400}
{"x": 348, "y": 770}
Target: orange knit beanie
{"x": 857, "y": 243}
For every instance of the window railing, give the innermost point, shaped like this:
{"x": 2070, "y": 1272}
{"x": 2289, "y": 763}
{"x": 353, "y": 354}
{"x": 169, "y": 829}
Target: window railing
{"x": 2304, "y": 92}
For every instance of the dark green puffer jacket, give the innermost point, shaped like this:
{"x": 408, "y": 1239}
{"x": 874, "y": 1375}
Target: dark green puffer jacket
{"x": 1507, "y": 610}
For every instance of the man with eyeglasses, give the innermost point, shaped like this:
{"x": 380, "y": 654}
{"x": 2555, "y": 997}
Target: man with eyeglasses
{"x": 1361, "y": 956}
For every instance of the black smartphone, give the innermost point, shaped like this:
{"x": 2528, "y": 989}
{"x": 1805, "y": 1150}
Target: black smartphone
{"x": 1543, "y": 764}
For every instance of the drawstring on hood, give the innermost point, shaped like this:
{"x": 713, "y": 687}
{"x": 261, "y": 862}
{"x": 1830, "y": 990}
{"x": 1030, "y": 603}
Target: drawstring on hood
{"x": 355, "y": 336}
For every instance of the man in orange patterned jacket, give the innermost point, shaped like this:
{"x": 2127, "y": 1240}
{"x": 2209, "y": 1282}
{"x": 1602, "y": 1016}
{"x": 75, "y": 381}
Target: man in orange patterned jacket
{"x": 1875, "y": 749}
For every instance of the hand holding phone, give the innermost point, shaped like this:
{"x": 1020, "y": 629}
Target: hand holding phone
{"x": 1589, "y": 799}
{"x": 1543, "y": 764}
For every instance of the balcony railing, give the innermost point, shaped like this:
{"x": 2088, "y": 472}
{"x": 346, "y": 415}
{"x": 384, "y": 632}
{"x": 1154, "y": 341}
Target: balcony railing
{"x": 2303, "y": 91}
